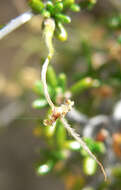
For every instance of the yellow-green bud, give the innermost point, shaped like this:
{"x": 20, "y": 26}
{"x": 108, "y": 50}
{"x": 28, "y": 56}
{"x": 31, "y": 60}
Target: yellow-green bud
{"x": 45, "y": 168}
{"x": 67, "y": 3}
{"x": 45, "y": 13}
{"x": 50, "y": 6}
{"x": 89, "y": 166}
{"x": 58, "y": 7}
{"x": 61, "y": 33}
{"x": 75, "y": 8}
{"x": 36, "y": 5}
{"x": 63, "y": 18}
{"x": 39, "y": 103}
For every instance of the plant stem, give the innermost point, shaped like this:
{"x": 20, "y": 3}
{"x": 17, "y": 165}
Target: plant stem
{"x": 48, "y": 33}
{"x": 83, "y": 144}
{"x": 15, "y": 23}
{"x": 43, "y": 76}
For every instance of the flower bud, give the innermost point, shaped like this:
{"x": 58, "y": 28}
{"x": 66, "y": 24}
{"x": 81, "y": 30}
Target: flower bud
{"x": 45, "y": 13}
{"x": 75, "y": 8}
{"x": 89, "y": 166}
{"x": 39, "y": 103}
{"x": 61, "y": 33}
{"x": 63, "y": 18}
{"x": 36, "y": 5}
{"x": 50, "y": 6}
{"x": 67, "y": 3}
{"x": 58, "y": 7}
{"x": 45, "y": 168}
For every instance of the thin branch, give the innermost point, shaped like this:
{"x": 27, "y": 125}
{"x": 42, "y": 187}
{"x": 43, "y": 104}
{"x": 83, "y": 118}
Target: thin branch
{"x": 48, "y": 34}
{"x": 15, "y": 23}
{"x": 77, "y": 137}
{"x": 43, "y": 76}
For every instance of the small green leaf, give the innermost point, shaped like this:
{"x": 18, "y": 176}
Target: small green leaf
{"x": 58, "y": 7}
{"x": 62, "y": 81}
{"x": 61, "y": 32}
{"x": 58, "y": 91}
{"x": 51, "y": 77}
{"x": 89, "y": 166}
{"x": 36, "y": 5}
{"x": 50, "y": 6}
{"x": 72, "y": 145}
{"x": 45, "y": 168}
{"x": 45, "y": 13}
{"x": 39, "y": 103}
{"x": 38, "y": 88}
{"x": 84, "y": 84}
{"x": 89, "y": 4}
{"x": 60, "y": 154}
{"x": 60, "y": 134}
{"x": 75, "y": 8}
{"x": 67, "y": 3}
{"x": 63, "y": 18}
{"x": 49, "y": 131}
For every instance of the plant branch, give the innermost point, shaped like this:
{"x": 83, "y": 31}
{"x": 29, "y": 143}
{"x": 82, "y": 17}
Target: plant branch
{"x": 43, "y": 77}
{"x": 48, "y": 34}
{"x": 77, "y": 137}
{"x": 15, "y": 23}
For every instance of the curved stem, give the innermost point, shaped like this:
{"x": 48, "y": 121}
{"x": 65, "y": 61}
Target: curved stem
{"x": 43, "y": 76}
{"x": 15, "y": 23}
{"x": 83, "y": 144}
{"x": 48, "y": 33}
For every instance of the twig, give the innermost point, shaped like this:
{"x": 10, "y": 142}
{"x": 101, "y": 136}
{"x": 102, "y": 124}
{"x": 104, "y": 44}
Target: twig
{"x": 77, "y": 137}
{"x": 48, "y": 34}
{"x": 43, "y": 76}
{"x": 15, "y": 23}
{"x": 61, "y": 111}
